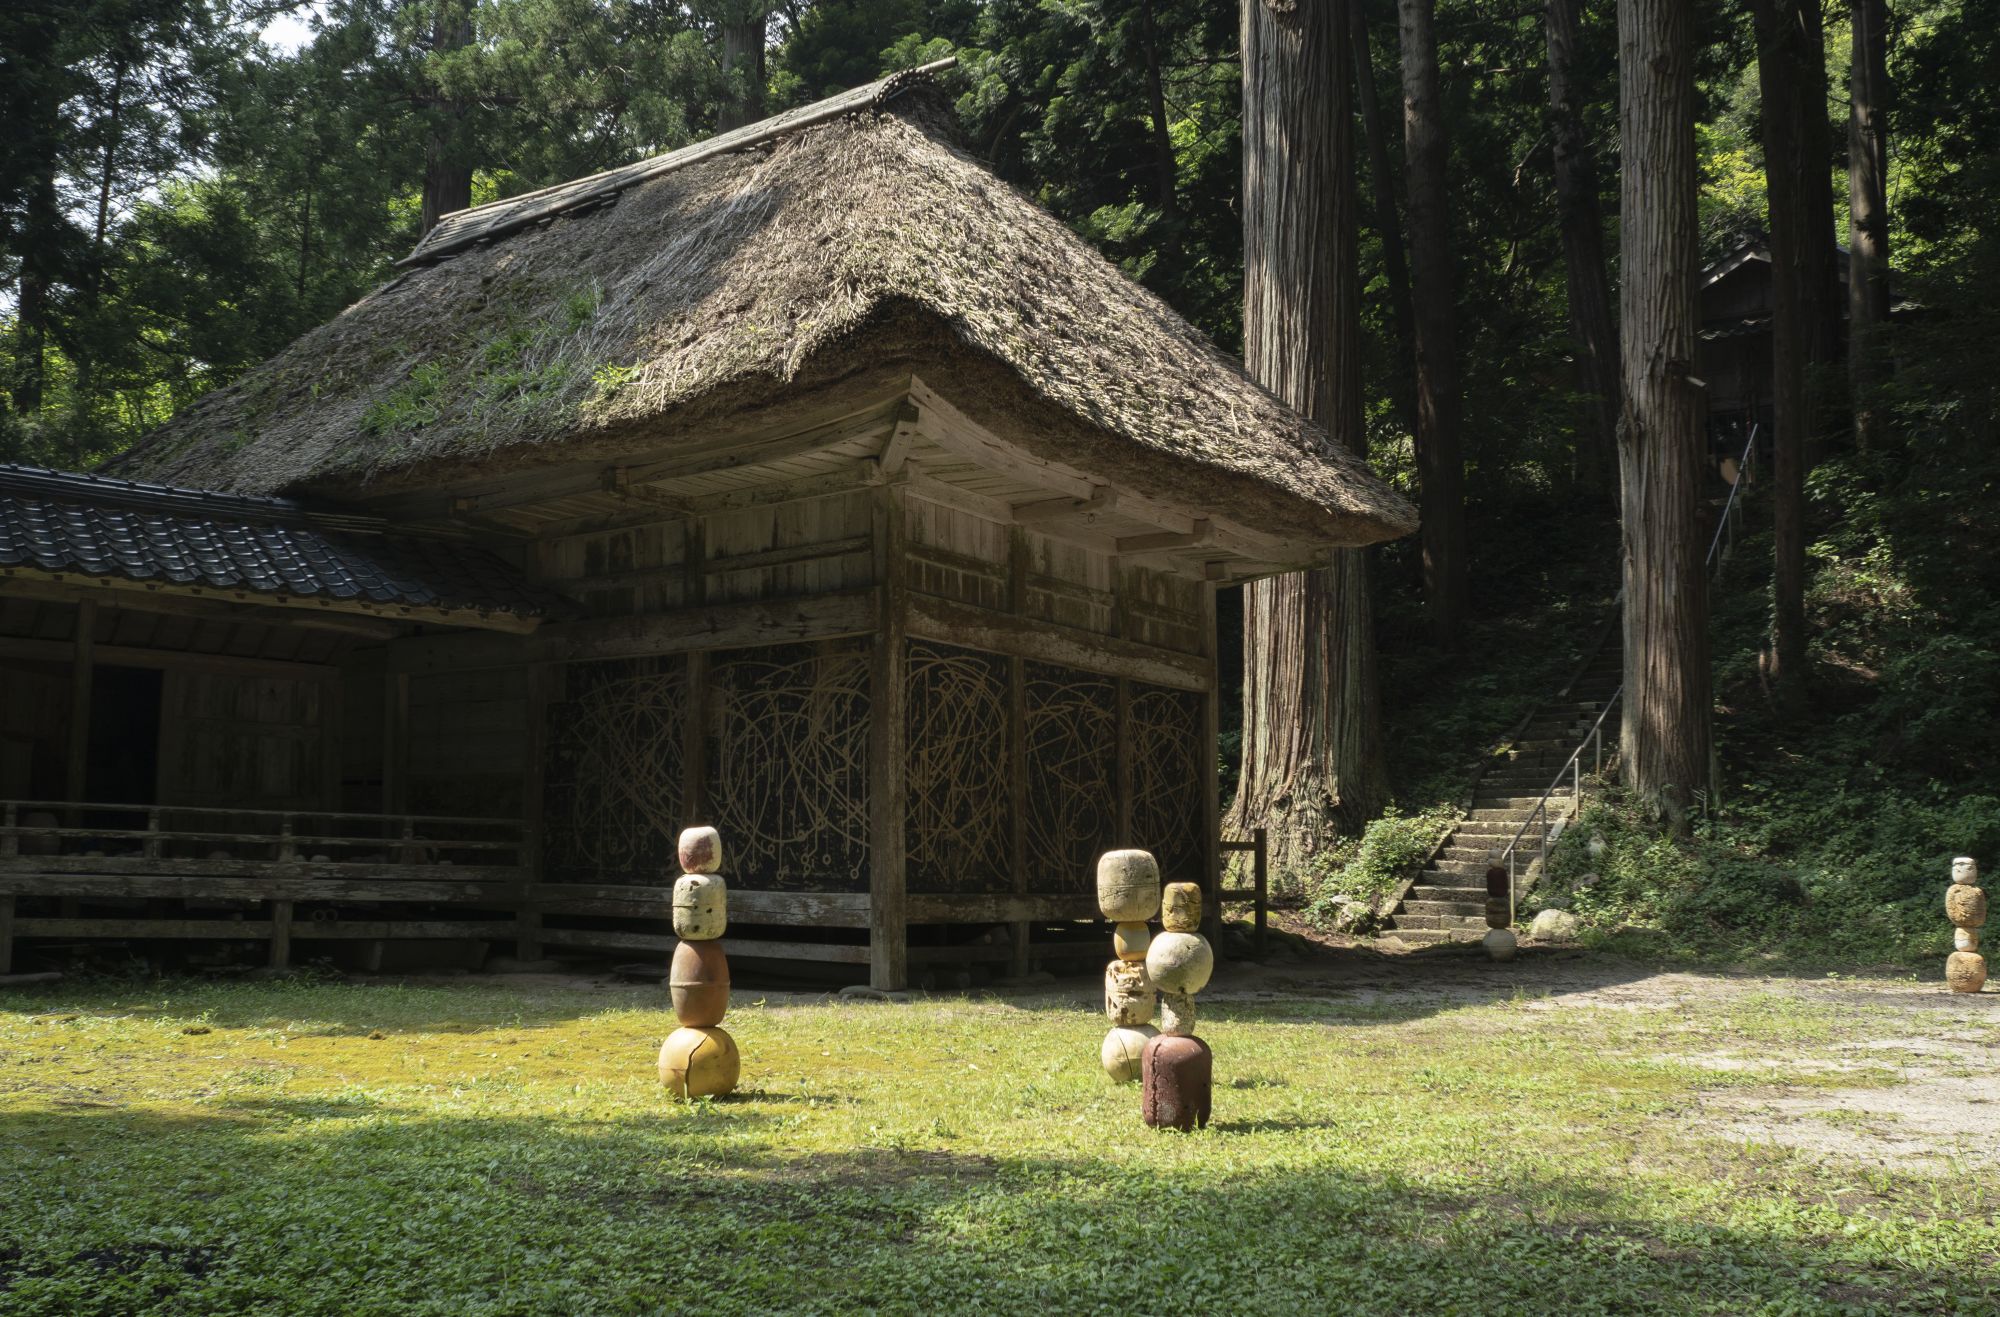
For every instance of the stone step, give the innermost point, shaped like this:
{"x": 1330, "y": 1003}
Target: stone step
{"x": 1515, "y": 800}
{"x": 1428, "y": 936}
{"x": 1450, "y": 909}
{"x": 1514, "y": 816}
{"x": 1475, "y": 894}
{"x": 1475, "y": 868}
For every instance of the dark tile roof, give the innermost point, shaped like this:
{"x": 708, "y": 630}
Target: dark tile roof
{"x": 57, "y": 521}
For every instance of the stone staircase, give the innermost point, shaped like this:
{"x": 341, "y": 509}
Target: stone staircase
{"x": 1448, "y": 900}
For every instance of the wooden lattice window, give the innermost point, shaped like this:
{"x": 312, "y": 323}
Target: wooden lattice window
{"x": 788, "y": 765}
{"x": 612, "y": 800}
{"x": 958, "y": 824}
{"x": 1168, "y": 812}
{"x": 1071, "y": 733}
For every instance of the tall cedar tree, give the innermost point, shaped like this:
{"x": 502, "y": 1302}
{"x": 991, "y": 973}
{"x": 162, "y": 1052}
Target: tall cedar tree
{"x": 1666, "y": 715}
{"x": 1312, "y": 745}
{"x": 1388, "y": 226}
{"x": 1434, "y": 294}
{"x": 1867, "y": 211}
{"x": 745, "y": 28}
{"x": 447, "y": 155}
{"x": 1587, "y": 279}
{"x": 1791, "y": 71}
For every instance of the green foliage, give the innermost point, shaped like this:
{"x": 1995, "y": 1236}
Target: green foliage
{"x": 1368, "y": 868}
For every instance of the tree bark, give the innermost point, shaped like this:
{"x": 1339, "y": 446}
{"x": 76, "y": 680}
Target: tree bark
{"x": 1440, "y": 450}
{"x": 1388, "y": 227}
{"x": 1312, "y": 744}
{"x": 1156, "y": 101}
{"x": 1867, "y": 214}
{"x": 447, "y": 173}
{"x": 743, "y": 40}
{"x": 1587, "y": 277}
{"x": 1791, "y": 72}
{"x": 1665, "y": 720}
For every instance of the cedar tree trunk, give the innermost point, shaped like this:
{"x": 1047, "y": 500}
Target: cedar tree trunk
{"x": 1440, "y": 445}
{"x": 1665, "y": 734}
{"x": 1382, "y": 190}
{"x": 1867, "y": 213}
{"x": 1587, "y": 277}
{"x": 1312, "y": 742}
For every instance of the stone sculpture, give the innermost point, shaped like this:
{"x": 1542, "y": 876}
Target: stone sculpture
{"x": 1176, "y": 1069}
{"x": 1128, "y": 892}
{"x": 1965, "y": 906}
{"x": 700, "y": 1059}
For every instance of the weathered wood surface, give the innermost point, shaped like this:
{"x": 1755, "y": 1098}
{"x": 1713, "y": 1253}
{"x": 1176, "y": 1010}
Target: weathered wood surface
{"x": 312, "y": 930}
{"x": 1048, "y": 642}
{"x": 888, "y": 766}
{"x": 998, "y": 908}
{"x": 18, "y": 878}
{"x": 805, "y": 909}
{"x": 853, "y": 953}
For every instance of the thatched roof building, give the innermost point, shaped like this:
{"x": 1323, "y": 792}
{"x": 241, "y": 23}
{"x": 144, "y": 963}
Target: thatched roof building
{"x": 814, "y": 484}
{"x": 816, "y": 253}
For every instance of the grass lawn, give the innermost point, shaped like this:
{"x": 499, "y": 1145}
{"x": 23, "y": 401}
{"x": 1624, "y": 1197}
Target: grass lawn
{"x": 1421, "y": 1134}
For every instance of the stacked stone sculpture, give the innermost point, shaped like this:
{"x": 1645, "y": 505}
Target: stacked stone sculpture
{"x": 1965, "y": 906}
{"x": 1176, "y": 1069}
{"x": 699, "y": 1059}
{"x": 1128, "y": 892}
{"x": 1499, "y": 942}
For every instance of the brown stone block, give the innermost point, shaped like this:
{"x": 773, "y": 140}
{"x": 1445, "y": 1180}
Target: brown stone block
{"x": 1177, "y": 1075}
{"x": 698, "y": 982}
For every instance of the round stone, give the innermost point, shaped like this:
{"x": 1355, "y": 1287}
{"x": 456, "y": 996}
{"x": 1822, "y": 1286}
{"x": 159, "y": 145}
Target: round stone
{"x": 1499, "y": 912}
{"x": 1180, "y": 962}
{"x": 698, "y": 982}
{"x": 700, "y": 850}
{"x": 1130, "y": 940}
{"x": 1499, "y": 943}
{"x": 1553, "y": 926}
{"x": 1177, "y": 1013}
{"x": 1122, "y": 1048}
{"x": 1128, "y": 886}
{"x": 1965, "y": 939}
{"x": 1965, "y": 906}
{"x": 1180, "y": 908}
{"x": 1965, "y": 871}
{"x": 1128, "y": 996}
{"x": 700, "y": 1063}
{"x": 1965, "y": 971}
{"x": 701, "y": 907}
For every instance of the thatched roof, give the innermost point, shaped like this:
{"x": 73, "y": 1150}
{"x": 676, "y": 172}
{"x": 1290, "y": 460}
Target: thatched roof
{"x": 630, "y": 311}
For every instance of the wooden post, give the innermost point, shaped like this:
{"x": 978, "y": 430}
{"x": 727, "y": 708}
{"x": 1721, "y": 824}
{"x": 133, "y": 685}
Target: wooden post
{"x": 528, "y": 916}
{"x": 694, "y": 728}
{"x": 281, "y": 935}
{"x": 6, "y": 933}
{"x": 888, "y": 914}
{"x": 1211, "y": 785}
{"x": 1124, "y": 772}
{"x": 77, "y": 769}
{"x": 1017, "y": 751}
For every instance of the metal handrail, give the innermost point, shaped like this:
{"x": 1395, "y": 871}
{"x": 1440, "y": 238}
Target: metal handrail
{"x": 1593, "y": 740}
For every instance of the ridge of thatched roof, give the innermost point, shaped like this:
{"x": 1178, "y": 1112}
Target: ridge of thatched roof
{"x": 669, "y": 300}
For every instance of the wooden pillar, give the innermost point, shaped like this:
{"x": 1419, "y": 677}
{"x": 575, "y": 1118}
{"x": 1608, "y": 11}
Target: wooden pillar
{"x": 528, "y": 915}
{"x": 395, "y": 742}
{"x": 694, "y": 726}
{"x": 1017, "y": 751}
{"x": 332, "y": 724}
{"x": 888, "y": 913}
{"x": 81, "y": 670}
{"x": 281, "y": 935}
{"x": 1211, "y": 784}
{"x": 1125, "y": 772}
{"x": 6, "y": 933}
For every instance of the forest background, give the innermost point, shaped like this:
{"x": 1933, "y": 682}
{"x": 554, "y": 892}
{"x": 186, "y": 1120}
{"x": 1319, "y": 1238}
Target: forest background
{"x": 187, "y": 185}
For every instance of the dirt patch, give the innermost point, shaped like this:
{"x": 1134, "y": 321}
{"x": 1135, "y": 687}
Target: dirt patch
{"x": 1936, "y": 1121}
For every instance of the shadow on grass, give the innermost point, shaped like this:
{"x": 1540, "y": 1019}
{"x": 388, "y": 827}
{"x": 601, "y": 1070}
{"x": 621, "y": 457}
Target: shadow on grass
{"x": 705, "y": 1207}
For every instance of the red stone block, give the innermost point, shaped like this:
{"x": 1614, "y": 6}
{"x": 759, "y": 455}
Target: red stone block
{"x": 1178, "y": 1074}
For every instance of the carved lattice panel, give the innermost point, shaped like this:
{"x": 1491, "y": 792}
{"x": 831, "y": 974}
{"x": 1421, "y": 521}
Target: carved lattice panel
{"x": 612, "y": 797}
{"x": 958, "y": 822}
{"x": 1071, "y": 733}
{"x": 1168, "y": 811}
{"x": 788, "y": 765}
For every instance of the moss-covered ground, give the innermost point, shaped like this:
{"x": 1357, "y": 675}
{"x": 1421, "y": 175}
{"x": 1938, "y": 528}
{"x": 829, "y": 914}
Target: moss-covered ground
{"x": 1424, "y": 1134}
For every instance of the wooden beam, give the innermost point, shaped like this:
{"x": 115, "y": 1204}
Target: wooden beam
{"x": 1000, "y": 633}
{"x": 76, "y": 769}
{"x": 1203, "y": 533}
{"x": 801, "y": 908}
{"x": 999, "y": 908}
{"x": 1102, "y": 499}
{"x": 682, "y": 631}
{"x": 123, "y": 656}
{"x": 888, "y": 924}
{"x": 896, "y": 448}
{"x": 833, "y": 484}
{"x": 788, "y": 554}
{"x": 158, "y": 878}
{"x": 471, "y": 618}
{"x": 178, "y": 605}
{"x": 740, "y": 948}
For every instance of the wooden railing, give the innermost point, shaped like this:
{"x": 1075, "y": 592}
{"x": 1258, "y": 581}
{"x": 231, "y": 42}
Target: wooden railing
{"x": 1258, "y": 848}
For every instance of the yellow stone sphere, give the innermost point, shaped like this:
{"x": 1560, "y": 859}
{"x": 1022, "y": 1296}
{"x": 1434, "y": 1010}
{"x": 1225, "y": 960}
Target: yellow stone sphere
{"x": 1965, "y": 906}
{"x": 1122, "y": 1049}
{"x": 1180, "y": 908}
{"x": 1128, "y": 886}
{"x": 700, "y": 1063}
{"x": 1130, "y": 940}
{"x": 1965, "y": 971}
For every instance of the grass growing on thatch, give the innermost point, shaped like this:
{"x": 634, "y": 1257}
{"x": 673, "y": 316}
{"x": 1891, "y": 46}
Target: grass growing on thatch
{"x": 473, "y": 1147}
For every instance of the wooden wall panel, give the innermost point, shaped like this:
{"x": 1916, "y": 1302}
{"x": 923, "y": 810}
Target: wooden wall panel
{"x": 232, "y": 741}
{"x": 468, "y": 740}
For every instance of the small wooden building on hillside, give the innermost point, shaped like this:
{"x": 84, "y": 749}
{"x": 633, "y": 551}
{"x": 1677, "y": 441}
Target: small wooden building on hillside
{"x": 809, "y": 481}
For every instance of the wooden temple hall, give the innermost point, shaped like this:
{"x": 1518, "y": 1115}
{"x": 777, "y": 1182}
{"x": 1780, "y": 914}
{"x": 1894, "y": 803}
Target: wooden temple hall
{"x": 809, "y": 482}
